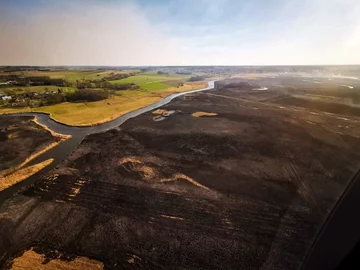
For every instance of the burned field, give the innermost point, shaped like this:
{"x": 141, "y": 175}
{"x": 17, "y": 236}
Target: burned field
{"x": 20, "y": 138}
{"x": 224, "y": 181}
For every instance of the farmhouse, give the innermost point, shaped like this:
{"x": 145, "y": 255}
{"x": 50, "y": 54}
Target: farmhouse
{"x": 4, "y": 97}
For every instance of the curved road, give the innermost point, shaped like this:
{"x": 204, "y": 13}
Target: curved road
{"x": 62, "y": 150}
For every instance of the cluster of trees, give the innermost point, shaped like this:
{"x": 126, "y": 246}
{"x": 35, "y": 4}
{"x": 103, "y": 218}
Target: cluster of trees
{"x": 106, "y": 85}
{"x": 28, "y": 99}
{"x": 84, "y": 85}
{"x": 5, "y": 78}
{"x": 44, "y": 80}
{"x": 184, "y": 72}
{"x": 85, "y": 90}
{"x": 87, "y": 95}
{"x": 18, "y": 80}
{"x": 31, "y": 80}
{"x": 162, "y": 72}
{"x": 44, "y": 99}
{"x": 129, "y": 86}
{"x": 52, "y": 99}
{"x": 196, "y": 78}
{"x": 112, "y": 76}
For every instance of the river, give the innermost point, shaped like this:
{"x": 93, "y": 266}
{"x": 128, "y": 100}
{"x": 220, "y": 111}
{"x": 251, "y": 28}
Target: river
{"x": 62, "y": 150}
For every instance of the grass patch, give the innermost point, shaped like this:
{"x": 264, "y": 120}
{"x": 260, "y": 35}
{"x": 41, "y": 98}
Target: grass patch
{"x": 90, "y": 113}
{"x": 4, "y": 110}
{"x": 144, "y": 79}
{"x": 154, "y": 86}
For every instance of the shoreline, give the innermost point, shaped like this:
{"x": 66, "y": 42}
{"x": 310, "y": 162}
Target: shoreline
{"x": 22, "y": 174}
{"x": 105, "y": 120}
{"x": 8, "y": 172}
{"x": 60, "y": 153}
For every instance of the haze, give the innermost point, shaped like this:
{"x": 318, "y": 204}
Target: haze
{"x": 223, "y": 32}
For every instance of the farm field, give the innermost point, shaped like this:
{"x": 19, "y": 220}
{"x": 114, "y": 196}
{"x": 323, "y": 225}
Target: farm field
{"x": 152, "y": 81}
{"x": 70, "y": 75}
{"x": 145, "y": 78}
{"x": 91, "y": 113}
{"x": 140, "y": 90}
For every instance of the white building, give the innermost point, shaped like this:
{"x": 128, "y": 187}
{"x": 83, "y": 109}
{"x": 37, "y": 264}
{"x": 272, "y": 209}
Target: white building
{"x": 6, "y": 97}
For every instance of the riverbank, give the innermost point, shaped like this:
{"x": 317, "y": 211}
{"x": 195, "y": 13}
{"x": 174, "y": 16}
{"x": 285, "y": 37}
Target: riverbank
{"x": 78, "y": 133}
{"x": 22, "y": 174}
{"x": 99, "y": 112}
{"x": 24, "y": 139}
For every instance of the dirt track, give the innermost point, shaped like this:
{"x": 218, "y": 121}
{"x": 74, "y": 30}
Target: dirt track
{"x": 247, "y": 188}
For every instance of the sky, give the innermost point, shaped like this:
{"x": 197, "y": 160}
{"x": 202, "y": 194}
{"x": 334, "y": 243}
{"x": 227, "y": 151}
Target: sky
{"x": 179, "y": 32}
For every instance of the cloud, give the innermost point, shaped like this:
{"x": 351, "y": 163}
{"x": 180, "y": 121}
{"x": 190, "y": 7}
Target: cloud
{"x": 181, "y": 32}
{"x": 274, "y": 32}
{"x": 93, "y": 34}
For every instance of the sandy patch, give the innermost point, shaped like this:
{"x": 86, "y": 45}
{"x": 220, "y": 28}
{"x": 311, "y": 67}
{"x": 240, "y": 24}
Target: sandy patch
{"x": 160, "y": 112}
{"x": 12, "y": 127}
{"x": 129, "y": 159}
{"x": 135, "y": 165}
{"x": 172, "y": 217}
{"x": 32, "y": 260}
{"x": 74, "y": 192}
{"x": 13, "y": 135}
{"x": 200, "y": 114}
{"x": 179, "y": 176}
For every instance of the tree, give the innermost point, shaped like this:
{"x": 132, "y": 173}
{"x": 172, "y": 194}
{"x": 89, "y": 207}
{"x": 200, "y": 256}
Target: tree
{"x": 196, "y": 78}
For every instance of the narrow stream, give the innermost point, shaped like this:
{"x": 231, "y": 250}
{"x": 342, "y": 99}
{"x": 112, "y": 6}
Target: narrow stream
{"x": 62, "y": 150}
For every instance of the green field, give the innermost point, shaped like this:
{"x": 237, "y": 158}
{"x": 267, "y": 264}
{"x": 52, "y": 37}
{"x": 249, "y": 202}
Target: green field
{"x": 155, "y": 86}
{"x": 70, "y": 75}
{"x": 146, "y": 78}
{"x": 38, "y": 89}
{"x": 151, "y": 81}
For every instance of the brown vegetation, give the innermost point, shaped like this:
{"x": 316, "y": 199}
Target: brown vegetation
{"x": 200, "y": 114}
{"x": 33, "y": 260}
{"x": 26, "y": 139}
{"x": 21, "y": 174}
{"x": 160, "y": 111}
{"x": 22, "y": 140}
